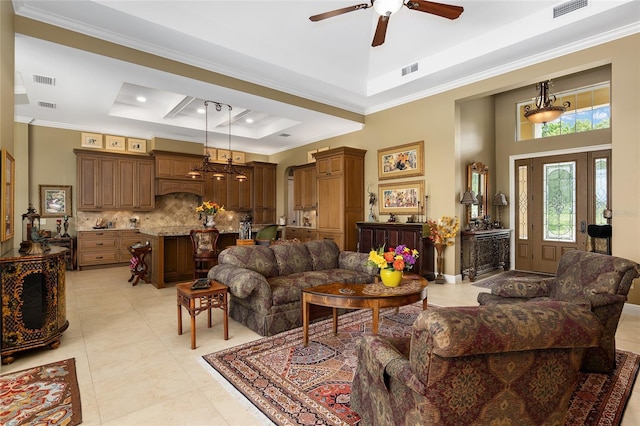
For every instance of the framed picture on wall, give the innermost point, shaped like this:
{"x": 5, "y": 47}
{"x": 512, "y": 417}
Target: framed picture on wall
{"x": 401, "y": 161}
{"x": 238, "y": 157}
{"x": 8, "y": 195}
{"x": 55, "y": 201}
{"x": 91, "y": 140}
{"x": 401, "y": 197}
{"x": 115, "y": 143}
{"x": 224, "y": 155}
{"x": 136, "y": 145}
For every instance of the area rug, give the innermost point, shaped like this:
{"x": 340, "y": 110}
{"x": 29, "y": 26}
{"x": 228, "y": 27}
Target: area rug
{"x": 44, "y": 395}
{"x": 490, "y": 281}
{"x": 293, "y": 385}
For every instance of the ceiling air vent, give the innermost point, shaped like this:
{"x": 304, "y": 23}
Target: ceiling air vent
{"x": 409, "y": 69}
{"x": 41, "y": 79}
{"x": 46, "y": 105}
{"x": 284, "y": 135}
{"x": 569, "y": 7}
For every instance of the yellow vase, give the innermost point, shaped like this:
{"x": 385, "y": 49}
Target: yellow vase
{"x": 391, "y": 277}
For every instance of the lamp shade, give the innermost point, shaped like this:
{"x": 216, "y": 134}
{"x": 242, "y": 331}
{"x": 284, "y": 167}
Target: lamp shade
{"x": 545, "y": 110}
{"x": 500, "y": 199}
{"x": 469, "y": 197}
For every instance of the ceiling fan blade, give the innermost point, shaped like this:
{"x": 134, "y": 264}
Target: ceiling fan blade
{"x": 337, "y": 12}
{"x": 444, "y": 10}
{"x": 381, "y": 31}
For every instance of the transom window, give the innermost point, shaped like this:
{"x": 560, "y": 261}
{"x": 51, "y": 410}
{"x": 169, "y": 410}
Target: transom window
{"x": 590, "y": 110}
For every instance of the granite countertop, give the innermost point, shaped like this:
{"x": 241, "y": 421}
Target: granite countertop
{"x": 174, "y": 231}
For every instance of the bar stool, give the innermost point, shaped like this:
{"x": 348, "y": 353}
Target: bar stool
{"x": 204, "y": 244}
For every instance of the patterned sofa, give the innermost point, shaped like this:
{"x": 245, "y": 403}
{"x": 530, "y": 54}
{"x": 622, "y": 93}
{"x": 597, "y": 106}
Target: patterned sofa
{"x": 480, "y": 365}
{"x": 598, "y": 281}
{"x": 266, "y": 282}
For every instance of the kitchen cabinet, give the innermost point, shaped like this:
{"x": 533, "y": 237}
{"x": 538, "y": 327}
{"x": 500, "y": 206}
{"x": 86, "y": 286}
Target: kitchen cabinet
{"x": 105, "y": 247}
{"x": 240, "y": 194}
{"x": 264, "y": 192}
{"x": 302, "y": 234}
{"x": 136, "y": 184}
{"x": 372, "y": 235}
{"x": 340, "y": 196}
{"x": 97, "y": 182}
{"x": 304, "y": 187}
{"x": 108, "y": 181}
{"x": 33, "y": 301}
{"x": 171, "y": 169}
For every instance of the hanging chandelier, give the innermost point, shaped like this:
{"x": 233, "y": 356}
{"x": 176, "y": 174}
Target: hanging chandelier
{"x": 545, "y": 110}
{"x": 217, "y": 171}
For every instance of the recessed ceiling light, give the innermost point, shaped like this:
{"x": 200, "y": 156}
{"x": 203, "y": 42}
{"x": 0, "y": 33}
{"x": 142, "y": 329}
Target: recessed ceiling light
{"x": 141, "y": 99}
{"x": 200, "y": 110}
{"x": 249, "y": 120}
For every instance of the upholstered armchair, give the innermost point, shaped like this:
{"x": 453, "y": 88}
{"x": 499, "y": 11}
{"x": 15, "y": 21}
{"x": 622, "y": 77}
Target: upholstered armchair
{"x": 499, "y": 364}
{"x": 598, "y": 281}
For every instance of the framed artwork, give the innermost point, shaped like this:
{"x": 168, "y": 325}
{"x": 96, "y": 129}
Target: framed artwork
{"x": 401, "y": 161}
{"x": 238, "y": 157}
{"x": 8, "y": 195}
{"x": 91, "y": 140}
{"x": 115, "y": 143}
{"x": 224, "y": 155}
{"x": 55, "y": 201}
{"x": 213, "y": 153}
{"x": 136, "y": 145}
{"x": 401, "y": 197}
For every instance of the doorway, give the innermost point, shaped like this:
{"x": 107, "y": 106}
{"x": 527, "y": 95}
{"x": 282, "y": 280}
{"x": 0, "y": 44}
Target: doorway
{"x": 557, "y": 197}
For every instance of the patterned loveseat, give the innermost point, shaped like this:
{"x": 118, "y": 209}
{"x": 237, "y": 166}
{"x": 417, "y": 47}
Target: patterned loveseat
{"x": 481, "y": 365}
{"x": 266, "y": 282}
{"x": 598, "y": 281}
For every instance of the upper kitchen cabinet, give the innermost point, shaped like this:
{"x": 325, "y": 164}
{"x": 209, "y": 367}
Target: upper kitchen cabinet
{"x": 264, "y": 192}
{"x": 340, "y": 196}
{"x": 136, "y": 184}
{"x": 240, "y": 194}
{"x": 97, "y": 181}
{"x": 108, "y": 181}
{"x": 304, "y": 187}
{"x": 171, "y": 173}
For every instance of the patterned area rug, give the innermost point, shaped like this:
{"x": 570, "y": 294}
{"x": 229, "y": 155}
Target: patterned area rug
{"x": 488, "y": 282}
{"x": 294, "y": 385}
{"x": 44, "y": 395}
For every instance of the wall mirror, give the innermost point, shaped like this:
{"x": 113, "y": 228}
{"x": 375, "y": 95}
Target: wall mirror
{"x": 478, "y": 182}
{"x": 6, "y": 208}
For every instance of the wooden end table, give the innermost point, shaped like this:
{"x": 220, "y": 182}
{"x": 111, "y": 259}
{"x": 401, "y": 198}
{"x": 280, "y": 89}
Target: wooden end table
{"x": 139, "y": 271}
{"x": 215, "y": 296}
{"x": 370, "y": 296}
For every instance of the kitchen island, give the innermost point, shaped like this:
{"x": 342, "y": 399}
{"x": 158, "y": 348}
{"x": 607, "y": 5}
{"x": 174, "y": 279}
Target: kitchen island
{"x": 171, "y": 258}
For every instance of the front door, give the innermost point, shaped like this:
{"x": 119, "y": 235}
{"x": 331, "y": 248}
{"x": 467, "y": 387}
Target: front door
{"x": 558, "y": 197}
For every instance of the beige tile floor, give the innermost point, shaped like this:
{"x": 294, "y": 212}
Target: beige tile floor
{"x": 134, "y": 369}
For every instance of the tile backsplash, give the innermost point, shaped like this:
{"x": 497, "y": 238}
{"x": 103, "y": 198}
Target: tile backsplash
{"x": 171, "y": 210}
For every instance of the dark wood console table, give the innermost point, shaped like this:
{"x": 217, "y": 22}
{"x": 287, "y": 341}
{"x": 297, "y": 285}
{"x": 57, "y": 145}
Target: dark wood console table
{"x": 372, "y": 235}
{"x": 33, "y": 301}
{"x": 484, "y": 251}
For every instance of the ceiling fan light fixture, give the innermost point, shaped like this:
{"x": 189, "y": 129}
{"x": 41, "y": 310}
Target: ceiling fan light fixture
{"x": 387, "y": 7}
{"x": 545, "y": 110}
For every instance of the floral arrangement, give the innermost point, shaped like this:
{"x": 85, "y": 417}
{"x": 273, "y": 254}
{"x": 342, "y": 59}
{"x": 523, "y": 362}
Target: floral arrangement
{"x": 209, "y": 208}
{"x": 444, "y": 231}
{"x": 399, "y": 258}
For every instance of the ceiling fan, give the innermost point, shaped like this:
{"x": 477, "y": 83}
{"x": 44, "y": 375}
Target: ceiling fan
{"x": 386, "y": 8}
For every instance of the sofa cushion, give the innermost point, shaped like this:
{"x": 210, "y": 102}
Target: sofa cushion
{"x": 324, "y": 254}
{"x": 292, "y": 258}
{"x": 257, "y": 258}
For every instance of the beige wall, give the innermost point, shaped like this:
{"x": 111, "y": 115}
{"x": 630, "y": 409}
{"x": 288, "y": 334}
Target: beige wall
{"x": 7, "y": 73}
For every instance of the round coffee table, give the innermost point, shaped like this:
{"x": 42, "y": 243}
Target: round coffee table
{"x": 370, "y": 296}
